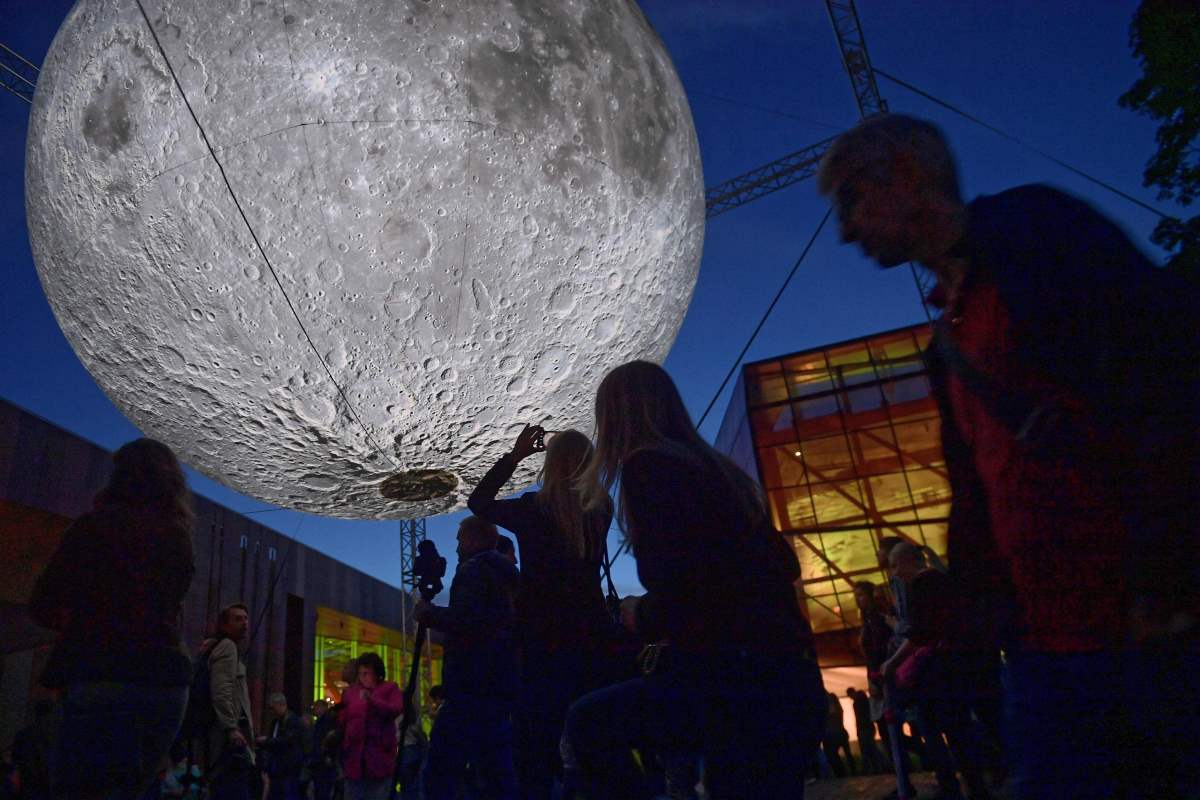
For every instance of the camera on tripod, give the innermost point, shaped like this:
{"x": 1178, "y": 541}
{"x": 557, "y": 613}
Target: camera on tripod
{"x": 428, "y": 570}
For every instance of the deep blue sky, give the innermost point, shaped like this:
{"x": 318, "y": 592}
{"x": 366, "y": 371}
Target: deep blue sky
{"x": 1047, "y": 72}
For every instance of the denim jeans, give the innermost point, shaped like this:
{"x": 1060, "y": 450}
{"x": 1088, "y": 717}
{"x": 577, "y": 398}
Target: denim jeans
{"x": 114, "y": 737}
{"x": 550, "y": 682}
{"x": 1104, "y": 725}
{"x": 756, "y": 719}
{"x": 367, "y": 790}
{"x": 476, "y": 732}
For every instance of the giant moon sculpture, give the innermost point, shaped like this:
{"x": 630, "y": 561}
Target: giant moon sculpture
{"x": 336, "y": 252}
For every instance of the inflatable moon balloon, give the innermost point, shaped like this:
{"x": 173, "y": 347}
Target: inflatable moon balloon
{"x": 337, "y": 252}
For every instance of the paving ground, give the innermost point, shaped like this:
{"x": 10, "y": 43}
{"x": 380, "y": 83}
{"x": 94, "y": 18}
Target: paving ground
{"x": 871, "y": 787}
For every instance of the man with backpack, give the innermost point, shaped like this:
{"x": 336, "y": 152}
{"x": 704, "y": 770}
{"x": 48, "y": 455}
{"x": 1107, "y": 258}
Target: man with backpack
{"x": 218, "y": 725}
{"x": 1065, "y": 367}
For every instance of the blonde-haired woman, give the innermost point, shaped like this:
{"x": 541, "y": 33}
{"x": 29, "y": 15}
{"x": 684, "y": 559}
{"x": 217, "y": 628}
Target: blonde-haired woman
{"x": 114, "y": 590}
{"x": 739, "y": 685}
{"x": 561, "y": 616}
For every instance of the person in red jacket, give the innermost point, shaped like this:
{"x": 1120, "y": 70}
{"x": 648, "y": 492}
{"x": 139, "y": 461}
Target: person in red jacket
{"x": 368, "y": 723}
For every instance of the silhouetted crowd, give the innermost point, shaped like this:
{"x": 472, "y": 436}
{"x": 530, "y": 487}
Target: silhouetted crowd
{"x": 1056, "y": 654}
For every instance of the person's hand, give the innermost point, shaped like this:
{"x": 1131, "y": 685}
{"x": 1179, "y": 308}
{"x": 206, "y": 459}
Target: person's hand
{"x": 891, "y": 622}
{"x": 262, "y": 739}
{"x": 629, "y": 612}
{"x": 421, "y": 610}
{"x": 529, "y": 441}
{"x": 236, "y": 739}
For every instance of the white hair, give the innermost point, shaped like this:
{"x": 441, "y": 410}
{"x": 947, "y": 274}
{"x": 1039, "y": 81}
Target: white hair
{"x": 875, "y": 143}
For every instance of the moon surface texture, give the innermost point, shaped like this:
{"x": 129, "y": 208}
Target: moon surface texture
{"x": 468, "y": 211}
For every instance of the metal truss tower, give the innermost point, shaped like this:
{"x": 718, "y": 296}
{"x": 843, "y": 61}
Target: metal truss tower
{"x": 802, "y": 164}
{"x": 844, "y": 18}
{"x": 412, "y": 533}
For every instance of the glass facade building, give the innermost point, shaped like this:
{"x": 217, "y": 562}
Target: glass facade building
{"x": 845, "y": 440}
{"x": 342, "y": 637}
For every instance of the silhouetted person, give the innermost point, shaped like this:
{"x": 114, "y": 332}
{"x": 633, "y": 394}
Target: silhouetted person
{"x": 873, "y": 761}
{"x": 934, "y": 689}
{"x": 230, "y": 762}
{"x": 480, "y": 670}
{"x": 322, "y": 765}
{"x": 114, "y": 590}
{"x": 283, "y": 746}
{"x": 560, "y": 609}
{"x": 836, "y": 740}
{"x": 1065, "y": 367}
{"x": 719, "y": 583}
{"x": 874, "y": 637}
{"x": 368, "y": 723}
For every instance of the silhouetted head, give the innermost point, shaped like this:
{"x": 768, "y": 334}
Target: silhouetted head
{"x": 278, "y": 704}
{"x": 864, "y": 595}
{"x": 146, "y": 473}
{"x": 638, "y": 406}
{"x": 234, "y": 621}
{"x": 564, "y": 487}
{"x": 894, "y": 185}
{"x": 906, "y": 560}
{"x": 506, "y": 548}
{"x": 371, "y": 671}
{"x": 885, "y": 548}
{"x": 475, "y": 535}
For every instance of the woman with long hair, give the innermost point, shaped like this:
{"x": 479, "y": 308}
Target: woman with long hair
{"x": 738, "y": 683}
{"x": 560, "y": 608}
{"x": 114, "y": 590}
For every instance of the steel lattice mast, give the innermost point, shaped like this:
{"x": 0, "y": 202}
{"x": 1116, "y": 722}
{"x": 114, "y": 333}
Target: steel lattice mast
{"x": 802, "y": 164}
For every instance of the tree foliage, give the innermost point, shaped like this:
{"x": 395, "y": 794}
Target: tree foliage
{"x": 1165, "y": 38}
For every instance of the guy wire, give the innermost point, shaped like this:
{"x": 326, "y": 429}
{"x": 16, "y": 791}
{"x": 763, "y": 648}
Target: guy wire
{"x": 261, "y": 250}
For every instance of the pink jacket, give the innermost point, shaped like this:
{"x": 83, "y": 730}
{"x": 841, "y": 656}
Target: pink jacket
{"x": 369, "y": 730}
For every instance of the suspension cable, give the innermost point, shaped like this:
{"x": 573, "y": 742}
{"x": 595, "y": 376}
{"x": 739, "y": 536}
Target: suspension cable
{"x": 1015, "y": 140}
{"x": 767, "y": 313}
{"x": 261, "y": 250}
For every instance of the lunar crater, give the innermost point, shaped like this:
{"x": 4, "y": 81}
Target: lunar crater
{"x": 475, "y": 208}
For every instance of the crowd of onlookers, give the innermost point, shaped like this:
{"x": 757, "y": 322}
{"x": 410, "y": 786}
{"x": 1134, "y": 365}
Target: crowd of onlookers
{"x": 1067, "y": 370}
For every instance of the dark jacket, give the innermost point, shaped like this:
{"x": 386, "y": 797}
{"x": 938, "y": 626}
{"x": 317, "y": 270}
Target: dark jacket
{"x": 874, "y": 640}
{"x": 933, "y": 609}
{"x": 480, "y": 645}
{"x": 323, "y": 726}
{"x": 714, "y": 580}
{"x": 560, "y": 603}
{"x": 115, "y": 590}
{"x": 1119, "y": 335}
{"x": 284, "y": 747}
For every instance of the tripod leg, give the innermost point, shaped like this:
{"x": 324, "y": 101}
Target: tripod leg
{"x": 409, "y": 715}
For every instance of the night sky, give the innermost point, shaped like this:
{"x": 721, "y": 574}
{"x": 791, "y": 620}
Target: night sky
{"x": 764, "y": 79}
